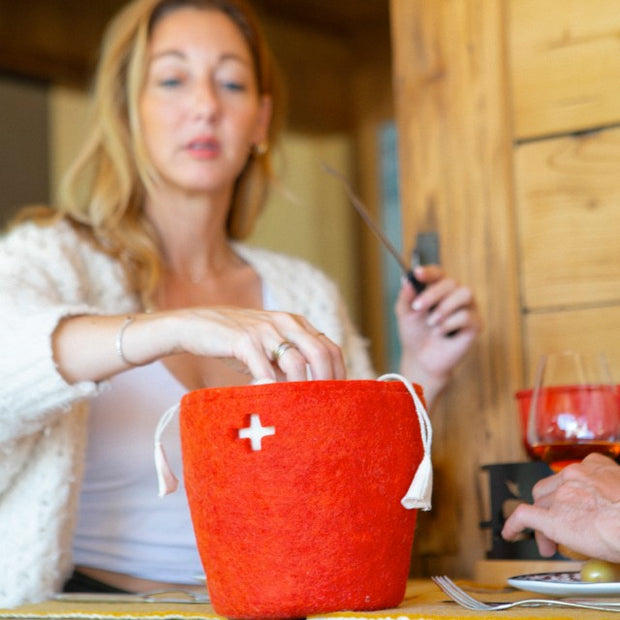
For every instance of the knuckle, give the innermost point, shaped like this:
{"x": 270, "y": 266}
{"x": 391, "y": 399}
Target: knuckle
{"x": 572, "y": 471}
{"x": 277, "y": 317}
{"x": 467, "y": 295}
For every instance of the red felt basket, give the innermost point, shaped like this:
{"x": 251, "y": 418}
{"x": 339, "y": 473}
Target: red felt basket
{"x": 295, "y": 494}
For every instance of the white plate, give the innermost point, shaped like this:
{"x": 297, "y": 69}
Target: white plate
{"x": 563, "y": 584}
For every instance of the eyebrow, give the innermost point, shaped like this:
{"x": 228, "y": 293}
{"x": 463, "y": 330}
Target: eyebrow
{"x": 181, "y": 55}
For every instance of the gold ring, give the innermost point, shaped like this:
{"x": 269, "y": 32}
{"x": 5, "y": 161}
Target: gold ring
{"x": 320, "y": 334}
{"x": 281, "y": 349}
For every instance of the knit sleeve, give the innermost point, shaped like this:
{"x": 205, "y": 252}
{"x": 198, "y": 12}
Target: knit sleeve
{"x": 40, "y": 285}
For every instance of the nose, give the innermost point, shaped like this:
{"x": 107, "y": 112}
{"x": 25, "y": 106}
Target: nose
{"x": 206, "y": 102}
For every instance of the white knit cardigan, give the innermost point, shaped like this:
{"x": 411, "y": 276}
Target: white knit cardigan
{"x": 47, "y": 273}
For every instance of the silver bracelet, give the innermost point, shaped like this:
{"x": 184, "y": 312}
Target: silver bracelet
{"x": 119, "y": 340}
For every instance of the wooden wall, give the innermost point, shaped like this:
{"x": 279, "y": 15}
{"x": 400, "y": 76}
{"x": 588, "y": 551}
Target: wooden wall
{"x": 566, "y": 83}
{"x": 24, "y": 157}
{"x": 455, "y": 142}
{"x": 509, "y": 113}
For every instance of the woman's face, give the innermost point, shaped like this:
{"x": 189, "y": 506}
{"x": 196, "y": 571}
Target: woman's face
{"x": 200, "y": 110}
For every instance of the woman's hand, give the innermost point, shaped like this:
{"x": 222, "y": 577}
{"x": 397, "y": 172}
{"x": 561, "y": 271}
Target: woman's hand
{"x": 579, "y": 507}
{"x": 436, "y": 327}
{"x": 252, "y": 337}
{"x": 86, "y": 347}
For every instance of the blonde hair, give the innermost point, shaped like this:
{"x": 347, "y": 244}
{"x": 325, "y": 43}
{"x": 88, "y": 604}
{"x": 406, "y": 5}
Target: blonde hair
{"x": 105, "y": 187}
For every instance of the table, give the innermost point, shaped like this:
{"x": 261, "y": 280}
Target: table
{"x": 423, "y": 601}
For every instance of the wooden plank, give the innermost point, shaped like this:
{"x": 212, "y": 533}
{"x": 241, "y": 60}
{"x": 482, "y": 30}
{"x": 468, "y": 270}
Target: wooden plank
{"x": 372, "y": 88}
{"x": 456, "y": 157}
{"x": 568, "y": 194}
{"x": 590, "y": 330}
{"x": 24, "y": 149}
{"x": 565, "y": 61}
{"x": 53, "y": 41}
{"x": 319, "y": 92}
{"x": 339, "y": 18}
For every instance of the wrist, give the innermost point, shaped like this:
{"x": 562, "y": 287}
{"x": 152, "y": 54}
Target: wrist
{"x": 432, "y": 383}
{"x": 120, "y": 334}
{"x": 145, "y": 337}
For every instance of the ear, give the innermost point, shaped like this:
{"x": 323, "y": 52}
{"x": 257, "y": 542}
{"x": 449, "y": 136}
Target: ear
{"x": 264, "y": 119}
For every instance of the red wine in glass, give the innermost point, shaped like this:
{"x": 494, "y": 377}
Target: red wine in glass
{"x": 574, "y": 409}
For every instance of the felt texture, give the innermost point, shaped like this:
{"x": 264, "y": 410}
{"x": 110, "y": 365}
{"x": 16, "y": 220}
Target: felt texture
{"x": 312, "y": 522}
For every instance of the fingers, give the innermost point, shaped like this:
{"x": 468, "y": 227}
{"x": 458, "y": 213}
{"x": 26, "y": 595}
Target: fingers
{"x": 519, "y": 520}
{"x": 567, "y": 504}
{"x": 546, "y": 546}
{"x": 546, "y": 487}
{"x": 573, "y": 473}
{"x": 592, "y": 465}
{"x": 598, "y": 460}
{"x": 526, "y": 516}
{"x": 290, "y": 364}
{"x": 308, "y": 353}
{"x": 268, "y": 344}
{"x": 447, "y": 306}
{"x": 407, "y": 296}
{"x": 255, "y": 357}
{"x": 282, "y": 348}
{"x": 449, "y": 301}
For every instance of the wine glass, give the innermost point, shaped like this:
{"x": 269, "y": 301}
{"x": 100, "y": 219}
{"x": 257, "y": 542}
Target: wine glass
{"x": 574, "y": 409}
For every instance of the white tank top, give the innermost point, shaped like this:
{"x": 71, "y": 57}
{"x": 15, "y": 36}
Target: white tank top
{"x": 123, "y": 525}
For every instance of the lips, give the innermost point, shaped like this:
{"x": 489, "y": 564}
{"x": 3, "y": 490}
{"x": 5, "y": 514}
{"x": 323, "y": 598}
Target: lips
{"x": 203, "y": 146}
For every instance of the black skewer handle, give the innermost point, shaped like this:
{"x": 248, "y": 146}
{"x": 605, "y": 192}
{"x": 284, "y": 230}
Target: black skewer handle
{"x": 417, "y": 285}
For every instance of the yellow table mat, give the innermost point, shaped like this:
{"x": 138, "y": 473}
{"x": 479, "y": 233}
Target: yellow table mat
{"x": 423, "y": 601}
{"x": 102, "y": 611}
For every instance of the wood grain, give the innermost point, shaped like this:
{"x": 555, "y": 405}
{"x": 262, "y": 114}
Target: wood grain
{"x": 581, "y": 329}
{"x": 569, "y": 217}
{"x": 456, "y": 151}
{"x": 565, "y": 59}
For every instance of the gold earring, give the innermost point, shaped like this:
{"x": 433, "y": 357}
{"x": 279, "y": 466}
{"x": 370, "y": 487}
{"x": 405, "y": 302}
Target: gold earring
{"x": 261, "y": 148}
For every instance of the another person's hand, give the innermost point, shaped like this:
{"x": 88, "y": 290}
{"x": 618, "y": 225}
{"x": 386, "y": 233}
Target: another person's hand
{"x": 579, "y": 507}
{"x": 436, "y": 327}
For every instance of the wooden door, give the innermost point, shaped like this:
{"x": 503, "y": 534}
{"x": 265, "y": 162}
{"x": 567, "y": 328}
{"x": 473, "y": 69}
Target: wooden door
{"x": 509, "y": 120}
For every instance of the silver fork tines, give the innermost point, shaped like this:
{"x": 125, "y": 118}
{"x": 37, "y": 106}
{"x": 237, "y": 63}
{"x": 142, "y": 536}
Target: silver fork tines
{"x": 458, "y": 595}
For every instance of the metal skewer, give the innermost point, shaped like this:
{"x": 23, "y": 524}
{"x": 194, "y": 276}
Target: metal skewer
{"x": 387, "y": 244}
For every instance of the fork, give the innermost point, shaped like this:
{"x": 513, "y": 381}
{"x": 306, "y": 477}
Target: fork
{"x": 458, "y": 595}
{"x": 151, "y": 596}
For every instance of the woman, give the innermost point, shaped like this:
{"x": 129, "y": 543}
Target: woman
{"x": 138, "y": 289}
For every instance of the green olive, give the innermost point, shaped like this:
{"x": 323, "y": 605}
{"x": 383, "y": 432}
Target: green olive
{"x": 599, "y": 571}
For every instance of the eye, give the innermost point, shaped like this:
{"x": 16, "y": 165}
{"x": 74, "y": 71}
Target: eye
{"x": 233, "y": 85}
{"x": 170, "y": 82}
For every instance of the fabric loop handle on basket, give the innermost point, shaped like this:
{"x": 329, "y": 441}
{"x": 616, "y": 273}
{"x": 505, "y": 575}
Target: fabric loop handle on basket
{"x": 418, "y": 495}
{"x": 166, "y": 480}
{"x": 420, "y": 491}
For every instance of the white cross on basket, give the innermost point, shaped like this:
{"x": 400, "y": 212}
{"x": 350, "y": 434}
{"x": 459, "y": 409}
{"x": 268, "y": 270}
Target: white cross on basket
{"x": 256, "y": 431}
